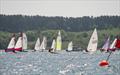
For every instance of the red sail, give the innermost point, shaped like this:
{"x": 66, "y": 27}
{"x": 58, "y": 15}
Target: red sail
{"x": 117, "y": 43}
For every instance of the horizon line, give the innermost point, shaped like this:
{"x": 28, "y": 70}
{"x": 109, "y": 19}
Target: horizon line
{"x": 58, "y": 15}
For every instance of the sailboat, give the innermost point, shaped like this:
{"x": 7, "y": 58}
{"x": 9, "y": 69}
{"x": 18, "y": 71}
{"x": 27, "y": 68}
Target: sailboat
{"x": 37, "y": 45}
{"x": 58, "y": 42}
{"x": 70, "y": 47}
{"x": 43, "y": 44}
{"x": 106, "y": 45}
{"x": 112, "y": 46}
{"x": 52, "y": 49}
{"x": 11, "y": 44}
{"x": 92, "y": 45}
{"x": 21, "y": 43}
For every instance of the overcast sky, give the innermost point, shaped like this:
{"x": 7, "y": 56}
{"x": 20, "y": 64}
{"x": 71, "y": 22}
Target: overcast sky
{"x": 70, "y": 8}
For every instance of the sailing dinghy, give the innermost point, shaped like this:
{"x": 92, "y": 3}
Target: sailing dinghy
{"x": 21, "y": 43}
{"x": 106, "y": 45}
{"x": 56, "y": 45}
{"x": 11, "y": 45}
{"x": 70, "y": 47}
{"x": 37, "y": 45}
{"x": 43, "y": 44}
{"x": 112, "y": 46}
{"x": 92, "y": 45}
{"x": 52, "y": 49}
{"x": 58, "y": 42}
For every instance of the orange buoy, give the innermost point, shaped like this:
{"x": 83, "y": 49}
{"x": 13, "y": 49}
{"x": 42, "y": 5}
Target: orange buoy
{"x": 104, "y": 63}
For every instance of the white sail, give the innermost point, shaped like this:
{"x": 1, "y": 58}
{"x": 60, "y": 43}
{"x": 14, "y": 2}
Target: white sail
{"x": 112, "y": 46}
{"x": 53, "y": 45}
{"x": 43, "y": 44}
{"x": 24, "y": 41}
{"x": 70, "y": 46}
{"x": 37, "y": 45}
{"x": 19, "y": 43}
{"x": 11, "y": 44}
{"x": 107, "y": 44}
{"x": 92, "y": 45}
{"x": 58, "y": 42}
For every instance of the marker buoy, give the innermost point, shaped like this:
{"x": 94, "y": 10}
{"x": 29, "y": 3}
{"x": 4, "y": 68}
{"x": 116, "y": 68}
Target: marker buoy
{"x": 104, "y": 63}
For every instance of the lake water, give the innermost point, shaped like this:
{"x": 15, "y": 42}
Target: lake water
{"x": 63, "y": 63}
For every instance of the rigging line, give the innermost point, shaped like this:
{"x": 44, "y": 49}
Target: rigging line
{"x": 109, "y": 56}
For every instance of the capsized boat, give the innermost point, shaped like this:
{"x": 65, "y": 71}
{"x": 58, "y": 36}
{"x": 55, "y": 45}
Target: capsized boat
{"x": 92, "y": 45}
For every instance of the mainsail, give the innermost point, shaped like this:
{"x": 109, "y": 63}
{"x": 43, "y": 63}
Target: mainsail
{"x": 106, "y": 45}
{"x": 18, "y": 46}
{"x": 43, "y": 44}
{"x": 70, "y": 46}
{"x": 92, "y": 45}
{"x": 53, "y": 45}
{"x": 58, "y": 41}
{"x": 112, "y": 46}
{"x": 11, "y": 44}
{"x": 37, "y": 45}
{"x": 24, "y": 41}
{"x": 21, "y": 42}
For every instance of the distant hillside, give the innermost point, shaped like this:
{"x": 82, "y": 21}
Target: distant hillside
{"x": 17, "y": 23}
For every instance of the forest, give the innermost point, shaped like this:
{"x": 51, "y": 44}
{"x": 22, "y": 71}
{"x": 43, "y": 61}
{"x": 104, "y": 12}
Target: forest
{"x": 76, "y": 29}
{"x": 18, "y": 23}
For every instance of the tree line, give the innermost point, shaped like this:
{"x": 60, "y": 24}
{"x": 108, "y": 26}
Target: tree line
{"x": 18, "y": 23}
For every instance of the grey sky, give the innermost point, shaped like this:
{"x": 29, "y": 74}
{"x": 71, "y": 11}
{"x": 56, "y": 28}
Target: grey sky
{"x": 75, "y": 8}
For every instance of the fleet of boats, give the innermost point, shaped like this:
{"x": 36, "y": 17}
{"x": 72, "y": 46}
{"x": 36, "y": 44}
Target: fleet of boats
{"x": 56, "y": 45}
